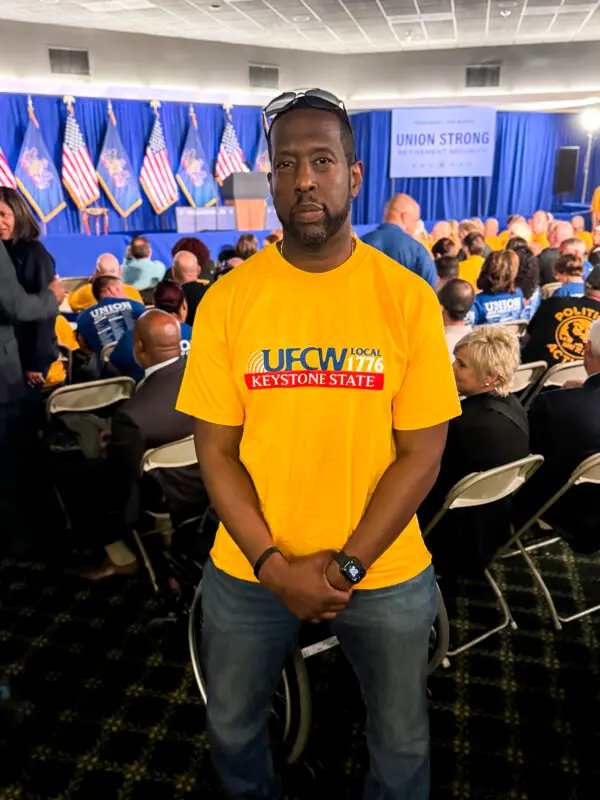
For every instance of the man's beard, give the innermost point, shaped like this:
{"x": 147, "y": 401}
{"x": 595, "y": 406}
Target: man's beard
{"x": 319, "y": 232}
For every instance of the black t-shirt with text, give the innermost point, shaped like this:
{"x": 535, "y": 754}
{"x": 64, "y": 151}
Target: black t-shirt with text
{"x": 559, "y": 330}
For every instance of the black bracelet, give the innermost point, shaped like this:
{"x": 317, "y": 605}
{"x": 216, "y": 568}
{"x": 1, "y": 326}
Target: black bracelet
{"x": 262, "y": 558}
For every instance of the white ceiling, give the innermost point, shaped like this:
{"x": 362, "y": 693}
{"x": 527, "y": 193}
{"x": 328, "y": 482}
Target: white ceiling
{"x": 332, "y": 26}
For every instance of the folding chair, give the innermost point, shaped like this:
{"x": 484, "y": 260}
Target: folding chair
{"x": 587, "y": 472}
{"x": 478, "y": 489}
{"x": 519, "y": 326}
{"x": 527, "y": 375}
{"x": 90, "y": 396}
{"x": 557, "y": 376}
{"x": 169, "y": 456}
{"x": 70, "y": 284}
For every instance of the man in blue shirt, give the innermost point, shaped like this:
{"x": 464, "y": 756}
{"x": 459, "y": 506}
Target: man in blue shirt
{"x": 139, "y": 270}
{"x": 394, "y": 238}
{"x": 113, "y": 314}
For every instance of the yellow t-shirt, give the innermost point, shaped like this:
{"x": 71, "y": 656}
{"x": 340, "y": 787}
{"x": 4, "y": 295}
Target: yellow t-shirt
{"x": 541, "y": 239}
{"x": 65, "y": 335}
{"x": 319, "y": 368}
{"x": 503, "y": 239}
{"x": 595, "y": 204}
{"x": 586, "y": 237}
{"x": 83, "y": 298}
{"x": 469, "y": 269}
{"x": 494, "y": 242}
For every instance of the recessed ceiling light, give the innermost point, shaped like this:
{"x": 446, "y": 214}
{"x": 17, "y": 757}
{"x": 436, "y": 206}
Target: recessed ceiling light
{"x": 214, "y": 7}
{"x": 508, "y": 4}
{"x": 301, "y": 18}
{"x": 506, "y": 12}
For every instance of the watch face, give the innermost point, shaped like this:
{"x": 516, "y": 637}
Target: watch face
{"x": 353, "y": 570}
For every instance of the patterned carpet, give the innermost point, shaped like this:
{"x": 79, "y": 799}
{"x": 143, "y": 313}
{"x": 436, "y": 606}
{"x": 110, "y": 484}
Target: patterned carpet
{"x": 118, "y": 716}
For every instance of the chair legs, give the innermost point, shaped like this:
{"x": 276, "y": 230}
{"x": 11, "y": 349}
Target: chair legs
{"x": 507, "y": 619}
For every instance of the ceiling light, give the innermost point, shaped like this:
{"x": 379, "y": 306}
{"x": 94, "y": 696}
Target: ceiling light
{"x": 508, "y": 4}
{"x": 301, "y": 18}
{"x": 408, "y": 36}
{"x": 506, "y": 12}
{"x": 590, "y": 120}
{"x": 214, "y": 7}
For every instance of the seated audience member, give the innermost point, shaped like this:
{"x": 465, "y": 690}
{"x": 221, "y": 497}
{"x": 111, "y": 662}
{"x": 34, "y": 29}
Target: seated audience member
{"x": 113, "y": 314}
{"x": 456, "y": 299}
{"x": 441, "y": 230}
{"x": 185, "y": 273}
{"x": 447, "y": 268}
{"x": 491, "y": 431}
{"x": 467, "y": 226}
{"x": 565, "y": 429}
{"x": 246, "y": 246}
{"x": 504, "y": 236}
{"x": 271, "y": 238}
{"x": 443, "y": 247}
{"x": 528, "y": 276}
{"x": 490, "y": 232}
{"x": 473, "y": 247}
{"x": 558, "y": 232}
{"x": 65, "y": 336}
{"x": 539, "y": 230}
{"x": 394, "y": 237}
{"x": 558, "y": 331}
{"x": 499, "y": 299}
{"x": 147, "y": 420}
{"x": 594, "y": 255}
{"x": 139, "y": 269}
{"x": 106, "y": 265}
{"x": 191, "y": 244}
{"x": 568, "y": 271}
{"x": 169, "y": 297}
{"x": 575, "y": 247}
{"x": 580, "y": 232}
{"x": 520, "y": 230}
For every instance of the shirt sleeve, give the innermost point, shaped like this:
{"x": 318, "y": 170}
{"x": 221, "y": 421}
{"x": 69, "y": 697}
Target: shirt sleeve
{"x": 208, "y": 390}
{"x": 428, "y": 394}
{"x": 427, "y": 267}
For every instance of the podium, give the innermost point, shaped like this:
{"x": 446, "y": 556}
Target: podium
{"x": 246, "y": 192}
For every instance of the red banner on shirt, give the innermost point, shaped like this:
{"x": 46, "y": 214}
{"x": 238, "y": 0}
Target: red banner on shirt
{"x": 325, "y": 379}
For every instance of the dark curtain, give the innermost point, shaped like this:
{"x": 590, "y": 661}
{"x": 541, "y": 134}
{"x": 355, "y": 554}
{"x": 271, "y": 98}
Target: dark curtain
{"x": 135, "y": 120}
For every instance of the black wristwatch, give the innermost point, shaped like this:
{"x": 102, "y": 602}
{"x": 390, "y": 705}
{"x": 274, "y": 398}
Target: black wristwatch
{"x": 350, "y": 568}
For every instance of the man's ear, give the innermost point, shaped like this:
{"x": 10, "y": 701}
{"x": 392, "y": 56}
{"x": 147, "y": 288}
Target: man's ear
{"x": 357, "y": 171}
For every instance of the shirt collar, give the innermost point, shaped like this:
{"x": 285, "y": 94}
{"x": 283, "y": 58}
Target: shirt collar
{"x": 155, "y": 367}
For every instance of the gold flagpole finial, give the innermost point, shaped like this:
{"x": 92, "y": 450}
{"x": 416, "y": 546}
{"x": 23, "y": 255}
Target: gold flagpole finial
{"x": 155, "y": 105}
{"x": 68, "y": 100}
{"x": 228, "y": 107}
{"x": 111, "y": 113}
{"x": 31, "y": 112}
{"x": 193, "y": 116}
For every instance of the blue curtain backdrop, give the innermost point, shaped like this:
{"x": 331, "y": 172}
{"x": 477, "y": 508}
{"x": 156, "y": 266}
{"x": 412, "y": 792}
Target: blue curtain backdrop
{"x": 526, "y": 145}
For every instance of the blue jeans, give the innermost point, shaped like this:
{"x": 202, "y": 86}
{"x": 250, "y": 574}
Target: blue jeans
{"x": 247, "y": 634}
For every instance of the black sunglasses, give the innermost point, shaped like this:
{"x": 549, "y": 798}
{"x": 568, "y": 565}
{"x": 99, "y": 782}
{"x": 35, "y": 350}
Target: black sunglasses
{"x": 316, "y": 98}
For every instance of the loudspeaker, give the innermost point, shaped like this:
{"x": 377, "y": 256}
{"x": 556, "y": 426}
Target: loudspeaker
{"x": 565, "y": 172}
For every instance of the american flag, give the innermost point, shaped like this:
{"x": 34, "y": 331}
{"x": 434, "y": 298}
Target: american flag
{"x": 6, "y": 176}
{"x": 78, "y": 173}
{"x": 230, "y": 158}
{"x": 157, "y": 176}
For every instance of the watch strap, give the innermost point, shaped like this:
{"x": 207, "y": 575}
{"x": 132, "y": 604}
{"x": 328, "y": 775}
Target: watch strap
{"x": 262, "y": 558}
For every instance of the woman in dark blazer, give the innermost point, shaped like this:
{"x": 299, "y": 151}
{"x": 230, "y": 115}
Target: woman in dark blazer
{"x": 491, "y": 431}
{"x": 35, "y": 270}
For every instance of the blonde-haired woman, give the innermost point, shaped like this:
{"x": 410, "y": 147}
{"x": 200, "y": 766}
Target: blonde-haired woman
{"x": 491, "y": 431}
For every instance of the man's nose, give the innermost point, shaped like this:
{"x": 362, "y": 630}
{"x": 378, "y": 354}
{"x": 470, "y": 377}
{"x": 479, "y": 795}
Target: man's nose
{"x": 305, "y": 178}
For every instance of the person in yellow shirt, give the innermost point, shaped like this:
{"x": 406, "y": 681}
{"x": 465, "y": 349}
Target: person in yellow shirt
{"x": 490, "y": 233}
{"x": 321, "y": 385}
{"x": 539, "y": 228}
{"x": 505, "y": 235}
{"x": 65, "y": 335}
{"x": 580, "y": 232}
{"x": 473, "y": 247}
{"x": 107, "y": 264}
{"x": 595, "y": 208}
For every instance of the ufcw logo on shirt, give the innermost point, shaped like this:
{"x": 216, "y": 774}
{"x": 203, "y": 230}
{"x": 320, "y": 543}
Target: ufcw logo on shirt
{"x": 328, "y": 367}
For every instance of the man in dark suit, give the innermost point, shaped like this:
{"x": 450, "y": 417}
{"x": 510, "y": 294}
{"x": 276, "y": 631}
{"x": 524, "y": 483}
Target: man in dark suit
{"x": 148, "y": 420}
{"x": 15, "y": 306}
{"x": 565, "y": 429}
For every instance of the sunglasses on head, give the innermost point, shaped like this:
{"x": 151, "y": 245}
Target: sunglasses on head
{"x": 315, "y": 98}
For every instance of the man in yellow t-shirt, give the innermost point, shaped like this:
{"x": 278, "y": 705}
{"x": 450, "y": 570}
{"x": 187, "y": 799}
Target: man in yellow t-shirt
{"x": 107, "y": 264}
{"x": 595, "y": 208}
{"x": 473, "y": 247}
{"x": 539, "y": 227}
{"x": 580, "y": 232}
{"x": 490, "y": 232}
{"x": 321, "y": 385}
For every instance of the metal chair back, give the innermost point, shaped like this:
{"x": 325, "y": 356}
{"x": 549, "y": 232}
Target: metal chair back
{"x": 90, "y": 396}
{"x": 519, "y": 326}
{"x": 527, "y": 375}
{"x": 170, "y": 456}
